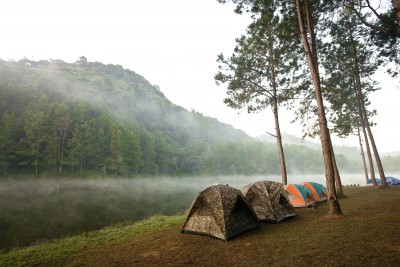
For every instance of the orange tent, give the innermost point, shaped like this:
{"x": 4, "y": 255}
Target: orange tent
{"x": 318, "y": 191}
{"x": 299, "y": 196}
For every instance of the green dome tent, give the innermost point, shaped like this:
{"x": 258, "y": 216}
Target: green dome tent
{"x": 269, "y": 201}
{"x": 220, "y": 211}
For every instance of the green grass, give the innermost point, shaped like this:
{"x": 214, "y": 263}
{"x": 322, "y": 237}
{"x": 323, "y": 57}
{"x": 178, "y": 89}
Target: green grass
{"x": 60, "y": 252}
{"x": 367, "y": 235}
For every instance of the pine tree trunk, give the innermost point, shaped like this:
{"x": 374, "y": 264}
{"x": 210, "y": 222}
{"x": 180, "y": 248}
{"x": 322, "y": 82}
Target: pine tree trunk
{"x": 37, "y": 157}
{"x": 396, "y": 11}
{"x": 377, "y": 158}
{"x": 65, "y": 121}
{"x": 63, "y": 136}
{"x": 361, "y": 114}
{"x": 365, "y": 117}
{"x": 276, "y": 118}
{"x": 338, "y": 181}
{"x": 369, "y": 155}
{"x": 333, "y": 202}
{"x": 279, "y": 144}
{"x": 362, "y": 155}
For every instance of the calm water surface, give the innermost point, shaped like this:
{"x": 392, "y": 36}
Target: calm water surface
{"x": 36, "y": 210}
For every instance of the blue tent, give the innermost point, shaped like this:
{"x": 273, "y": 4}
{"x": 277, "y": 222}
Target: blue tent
{"x": 389, "y": 180}
{"x": 392, "y": 180}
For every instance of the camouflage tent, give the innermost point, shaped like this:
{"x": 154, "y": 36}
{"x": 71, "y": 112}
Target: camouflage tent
{"x": 269, "y": 201}
{"x": 220, "y": 211}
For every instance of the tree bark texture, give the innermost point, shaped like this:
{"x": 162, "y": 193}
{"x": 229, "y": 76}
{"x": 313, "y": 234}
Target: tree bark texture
{"x": 276, "y": 118}
{"x": 369, "y": 155}
{"x": 338, "y": 181}
{"x": 333, "y": 202}
{"x": 365, "y": 117}
{"x": 279, "y": 143}
{"x": 377, "y": 158}
{"x": 362, "y": 155}
{"x": 396, "y": 10}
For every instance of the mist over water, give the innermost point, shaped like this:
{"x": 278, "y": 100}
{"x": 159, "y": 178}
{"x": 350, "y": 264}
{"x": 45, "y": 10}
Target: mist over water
{"x": 33, "y": 210}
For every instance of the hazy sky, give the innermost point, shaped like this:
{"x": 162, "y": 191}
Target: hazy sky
{"x": 173, "y": 44}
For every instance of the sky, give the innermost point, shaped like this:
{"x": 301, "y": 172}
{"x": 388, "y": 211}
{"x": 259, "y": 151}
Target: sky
{"x": 173, "y": 44}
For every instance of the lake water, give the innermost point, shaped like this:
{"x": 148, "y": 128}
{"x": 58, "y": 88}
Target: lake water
{"x": 35, "y": 210}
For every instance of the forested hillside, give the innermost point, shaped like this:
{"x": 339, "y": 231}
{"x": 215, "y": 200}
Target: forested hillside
{"x": 60, "y": 118}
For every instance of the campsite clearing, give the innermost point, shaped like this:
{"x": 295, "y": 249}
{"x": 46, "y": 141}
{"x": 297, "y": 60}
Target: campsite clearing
{"x": 367, "y": 235}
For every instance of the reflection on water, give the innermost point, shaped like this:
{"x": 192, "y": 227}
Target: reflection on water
{"x": 33, "y": 210}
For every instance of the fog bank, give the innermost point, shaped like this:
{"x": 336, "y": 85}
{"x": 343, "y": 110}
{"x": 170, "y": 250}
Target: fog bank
{"x": 41, "y": 209}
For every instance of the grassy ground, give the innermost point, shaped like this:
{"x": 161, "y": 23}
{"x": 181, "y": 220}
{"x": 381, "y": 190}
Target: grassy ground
{"x": 367, "y": 235}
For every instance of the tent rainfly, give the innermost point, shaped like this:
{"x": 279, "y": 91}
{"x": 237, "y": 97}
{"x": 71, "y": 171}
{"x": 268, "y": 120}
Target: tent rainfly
{"x": 220, "y": 211}
{"x": 389, "y": 180}
{"x": 269, "y": 201}
{"x": 299, "y": 196}
{"x": 318, "y": 191}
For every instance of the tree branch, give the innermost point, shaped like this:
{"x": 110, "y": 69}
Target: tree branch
{"x": 370, "y": 25}
{"x": 271, "y": 134}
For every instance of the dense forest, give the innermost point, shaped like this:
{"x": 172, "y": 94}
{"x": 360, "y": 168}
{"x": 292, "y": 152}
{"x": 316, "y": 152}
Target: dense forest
{"x": 59, "y": 118}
